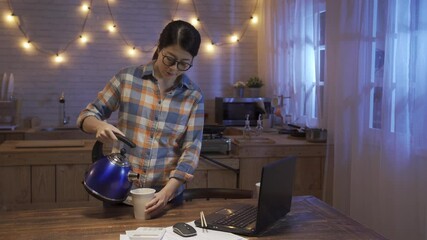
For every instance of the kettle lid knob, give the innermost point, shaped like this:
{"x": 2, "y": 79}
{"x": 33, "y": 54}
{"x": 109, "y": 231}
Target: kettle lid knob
{"x": 122, "y": 152}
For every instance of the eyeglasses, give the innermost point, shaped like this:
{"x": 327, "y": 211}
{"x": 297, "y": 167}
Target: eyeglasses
{"x": 171, "y": 61}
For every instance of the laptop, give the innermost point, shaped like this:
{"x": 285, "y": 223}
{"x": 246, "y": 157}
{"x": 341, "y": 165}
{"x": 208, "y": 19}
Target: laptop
{"x": 275, "y": 198}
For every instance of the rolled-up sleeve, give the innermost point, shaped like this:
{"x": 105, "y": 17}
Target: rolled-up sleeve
{"x": 192, "y": 144}
{"x": 105, "y": 104}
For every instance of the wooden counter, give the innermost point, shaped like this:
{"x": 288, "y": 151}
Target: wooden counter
{"x": 257, "y": 151}
{"x": 18, "y": 134}
{"x": 309, "y": 218}
{"x": 48, "y": 173}
{"x": 43, "y": 173}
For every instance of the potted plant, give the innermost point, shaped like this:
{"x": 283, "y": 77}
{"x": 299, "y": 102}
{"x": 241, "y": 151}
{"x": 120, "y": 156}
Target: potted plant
{"x": 254, "y": 84}
{"x": 239, "y": 88}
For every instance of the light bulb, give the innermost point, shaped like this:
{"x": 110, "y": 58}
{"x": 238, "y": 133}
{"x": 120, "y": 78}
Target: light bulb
{"x": 132, "y": 51}
{"x": 26, "y": 44}
{"x": 254, "y": 19}
{"x": 195, "y": 21}
{"x": 210, "y": 47}
{"x": 85, "y": 7}
{"x": 58, "y": 58}
{"x": 112, "y": 28}
{"x": 83, "y": 39}
{"x": 234, "y": 38}
{"x": 9, "y": 17}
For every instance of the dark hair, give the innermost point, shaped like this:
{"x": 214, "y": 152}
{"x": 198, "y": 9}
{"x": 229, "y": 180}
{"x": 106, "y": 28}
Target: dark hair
{"x": 182, "y": 33}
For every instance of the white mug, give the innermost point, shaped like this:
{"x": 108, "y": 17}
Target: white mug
{"x": 140, "y": 198}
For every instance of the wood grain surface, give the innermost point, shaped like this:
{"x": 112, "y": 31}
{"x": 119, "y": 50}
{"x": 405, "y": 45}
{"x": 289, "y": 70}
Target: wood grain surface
{"x": 309, "y": 218}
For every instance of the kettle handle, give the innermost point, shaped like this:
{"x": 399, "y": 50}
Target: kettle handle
{"x": 97, "y": 152}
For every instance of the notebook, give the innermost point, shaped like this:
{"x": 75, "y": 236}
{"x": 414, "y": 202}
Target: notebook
{"x": 275, "y": 198}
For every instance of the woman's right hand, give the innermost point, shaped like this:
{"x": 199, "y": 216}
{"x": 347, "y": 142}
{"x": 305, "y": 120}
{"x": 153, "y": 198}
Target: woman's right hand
{"x": 105, "y": 132}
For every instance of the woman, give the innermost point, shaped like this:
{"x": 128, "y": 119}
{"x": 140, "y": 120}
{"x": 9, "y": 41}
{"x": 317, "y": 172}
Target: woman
{"x": 161, "y": 110}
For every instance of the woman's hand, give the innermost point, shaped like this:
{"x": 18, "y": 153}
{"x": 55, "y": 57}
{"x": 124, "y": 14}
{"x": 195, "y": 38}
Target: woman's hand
{"x": 161, "y": 198}
{"x": 157, "y": 204}
{"x": 105, "y": 132}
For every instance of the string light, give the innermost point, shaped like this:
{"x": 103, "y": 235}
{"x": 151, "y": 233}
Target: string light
{"x": 58, "y": 58}
{"x": 112, "y": 28}
{"x": 132, "y": 51}
{"x": 195, "y": 21}
{"x": 85, "y": 7}
{"x": 254, "y": 19}
{"x": 26, "y": 44}
{"x": 83, "y": 38}
{"x": 234, "y": 38}
{"x": 9, "y": 17}
{"x": 210, "y": 47}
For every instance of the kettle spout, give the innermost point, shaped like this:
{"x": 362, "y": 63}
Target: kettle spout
{"x": 133, "y": 176}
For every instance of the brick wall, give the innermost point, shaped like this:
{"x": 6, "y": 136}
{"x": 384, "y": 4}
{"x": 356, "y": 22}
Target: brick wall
{"x": 52, "y": 24}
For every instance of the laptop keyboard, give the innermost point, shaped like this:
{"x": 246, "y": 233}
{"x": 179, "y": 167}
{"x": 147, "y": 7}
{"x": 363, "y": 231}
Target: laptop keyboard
{"x": 241, "y": 218}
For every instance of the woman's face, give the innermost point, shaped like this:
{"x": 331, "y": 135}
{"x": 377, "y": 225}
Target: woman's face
{"x": 172, "y": 62}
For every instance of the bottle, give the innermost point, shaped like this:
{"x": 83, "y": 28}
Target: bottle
{"x": 259, "y": 127}
{"x": 247, "y": 129}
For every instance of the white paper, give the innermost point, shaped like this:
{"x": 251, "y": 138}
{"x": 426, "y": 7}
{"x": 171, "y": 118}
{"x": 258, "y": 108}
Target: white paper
{"x": 10, "y": 87}
{"x": 202, "y": 234}
{"x": 3, "y": 87}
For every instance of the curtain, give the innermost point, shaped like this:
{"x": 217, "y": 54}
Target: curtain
{"x": 286, "y": 54}
{"x": 374, "y": 102}
{"x": 379, "y": 168}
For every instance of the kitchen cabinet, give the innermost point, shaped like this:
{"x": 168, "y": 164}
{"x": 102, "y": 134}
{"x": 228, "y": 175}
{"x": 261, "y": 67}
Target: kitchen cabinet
{"x": 211, "y": 175}
{"x": 253, "y": 154}
{"x": 44, "y": 174}
{"x": 250, "y": 155}
{"x": 48, "y": 173}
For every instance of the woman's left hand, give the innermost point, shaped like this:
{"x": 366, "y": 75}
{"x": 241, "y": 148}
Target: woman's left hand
{"x": 157, "y": 204}
{"x": 161, "y": 198}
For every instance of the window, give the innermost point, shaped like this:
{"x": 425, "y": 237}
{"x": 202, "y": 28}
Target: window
{"x": 377, "y": 72}
{"x": 320, "y": 64}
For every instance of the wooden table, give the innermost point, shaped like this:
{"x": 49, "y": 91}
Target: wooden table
{"x": 309, "y": 218}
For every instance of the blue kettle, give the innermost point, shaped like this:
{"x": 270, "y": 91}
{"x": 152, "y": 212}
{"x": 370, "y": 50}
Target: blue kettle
{"x": 110, "y": 177}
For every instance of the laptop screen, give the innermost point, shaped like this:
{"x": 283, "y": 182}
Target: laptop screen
{"x": 275, "y": 195}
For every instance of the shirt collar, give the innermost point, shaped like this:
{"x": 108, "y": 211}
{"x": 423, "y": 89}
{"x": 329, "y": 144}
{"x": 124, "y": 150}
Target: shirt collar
{"x": 183, "y": 80}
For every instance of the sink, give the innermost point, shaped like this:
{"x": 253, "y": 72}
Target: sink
{"x": 52, "y": 129}
{"x": 57, "y": 133}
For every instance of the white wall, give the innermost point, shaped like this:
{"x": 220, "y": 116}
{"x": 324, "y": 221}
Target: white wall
{"x": 52, "y": 24}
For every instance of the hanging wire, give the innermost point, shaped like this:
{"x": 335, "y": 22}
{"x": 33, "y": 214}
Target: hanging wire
{"x": 123, "y": 38}
{"x": 34, "y": 44}
{"x": 248, "y": 22}
{"x": 204, "y": 29}
{"x": 176, "y": 10}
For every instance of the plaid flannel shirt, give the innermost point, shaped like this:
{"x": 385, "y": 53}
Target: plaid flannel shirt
{"x": 168, "y": 132}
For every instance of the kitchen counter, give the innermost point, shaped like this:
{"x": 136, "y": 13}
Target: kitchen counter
{"x": 50, "y": 171}
{"x": 309, "y": 218}
{"x": 253, "y": 153}
{"x": 45, "y": 133}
